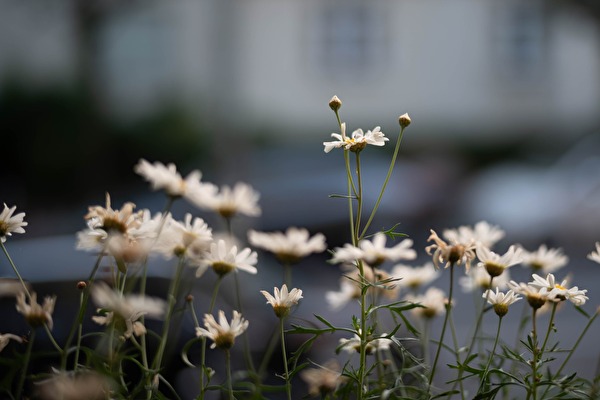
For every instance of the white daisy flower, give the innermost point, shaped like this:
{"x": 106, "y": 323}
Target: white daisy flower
{"x": 500, "y": 301}
{"x": 414, "y": 277}
{"x": 222, "y": 333}
{"x": 10, "y": 223}
{"x": 545, "y": 259}
{"x": 373, "y": 344}
{"x": 349, "y": 290}
{"x": 127, "y": 309}
{"x": 80, "y": 384}
{"x": 168, "y": 179}
{"x": 229, "y": 202}
{"x": 595, "y": 255}
{"x": 478, "y": 278}
{"x": 282, "y": 300}
{"x": 450, "y": 253}
{"x": 224, "y": 258}
{"x": 559, "y": 291}
{"x": 534, "y": 296}
{"x": 481, "y": 234}
{"x": 358, "y": 141}
{"x": 323, "y": 380}
{"x": 496, "y": 264}
{"x": 189, "y": 238}
{"x": 434, "y": 302}
{"x": 374, "y": 252}
{"x": 289, "y": 247}
{"x": 6, "y": 337}
{"x": 34, "y": 313}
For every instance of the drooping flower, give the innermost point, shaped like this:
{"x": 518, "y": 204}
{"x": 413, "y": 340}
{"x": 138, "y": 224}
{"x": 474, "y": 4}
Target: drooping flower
{"x": 559, "y": 291}
{"x": 358, "y": 141}
{"x": 282, "y": 301}
{"x": 228, "y": 202}
{"x": 289, "y": 247}
{"x": 323, "y": 380}
{"x": 481, "y": 234}
{"x": 222, "y": 333}
{"x": 34, "y": 313}
{"x": 167, "y": 178}
{"x": 453, "y": 253}
{"x": 500, "y": 301}
{"x": 110, "y": 220}
{"x": 595, "y": 255}
{"x": 189, "y": 238}
{"x": 374, "y": 252}
{"x": 6, "y": 337}
{"x": 375, "y": 344}
{"x": 10, "y": 223}
{"x": 414, "y": 277}
{"x": 496, "y": 264}
{"x": 224, "y": 258}
{"x": 125, "y": 310}
{"x": 545, "y": 259}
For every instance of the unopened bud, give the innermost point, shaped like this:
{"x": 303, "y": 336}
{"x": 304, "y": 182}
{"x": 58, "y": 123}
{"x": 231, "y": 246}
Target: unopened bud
{"x": 81, "y": 285}
{"x": 189, "y": 298}
{"x": 335, "y": 103}
{"x": 404, "y": 120}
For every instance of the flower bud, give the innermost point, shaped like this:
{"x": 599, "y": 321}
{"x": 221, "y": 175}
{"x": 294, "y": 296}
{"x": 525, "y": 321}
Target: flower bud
{"x": 81, "y": 285}
{"x": 403, "y": 120}
{"x": 335, "y": 103}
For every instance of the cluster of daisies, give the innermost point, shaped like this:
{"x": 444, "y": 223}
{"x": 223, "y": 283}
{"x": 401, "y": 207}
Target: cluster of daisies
{"x": 130, "y": 237}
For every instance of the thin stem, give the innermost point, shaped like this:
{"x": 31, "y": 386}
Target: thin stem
{"x": 487, "y": 367}
{"x": 550, "y": 325}
{"x": 203, "y": 351}
{"x": 228, "y": 367}
{"x": 363, "y": 334}
{"x": 534, "y": 361}
{"x": 287, "y": 274}
{"x": 359, "y": 206}
{"x": 14, "y": 267}
{"x": 79, "y": 332}
{"x": 82, "y": 308}
{"x": 247, "y": 356}
{"x": 288, "y": 386}
{"x": 441, "y": 341}
{"x": 385, "y": 183}
{"x": 26, "y": 360}
{"x": 456, "y": 353}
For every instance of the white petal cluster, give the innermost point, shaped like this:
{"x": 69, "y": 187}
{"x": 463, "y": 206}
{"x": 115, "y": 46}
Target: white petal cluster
{"x": 166, "y": 177}
{"x": 559, "y": 291}
{"x": 10, "y": 223}
{"x": 380, "y": 343}
{"x": 481, "y": 234}
{"x": 358, "y": 141}
{"x": 225, "y": 258}
{"x": 478, "y": 278}
{"x": 595, "y": 255}
{"x": 222, "y": 333}
{"x": 414, "y": 277}
{"x": 374, "y": 252}
{"x": 189, "y": 238}
{"x": 241, "y": 199}
{"x": 129, "y": 307}
{"x": 289, "y": 247}
{"x": 455, "y": 252}
{"x": 282, "y": 300}
{"x": 498, "y": 297}
{"x": 545, "y": 259}
{"x": 6, "y": 337}
{"x": 434, "y": 302}
{"x": 494, "y": 263}
{"x": 34, "y": 313}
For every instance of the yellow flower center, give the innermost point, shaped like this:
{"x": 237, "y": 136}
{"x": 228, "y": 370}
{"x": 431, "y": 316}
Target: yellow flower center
{"x": 222, "y": 268}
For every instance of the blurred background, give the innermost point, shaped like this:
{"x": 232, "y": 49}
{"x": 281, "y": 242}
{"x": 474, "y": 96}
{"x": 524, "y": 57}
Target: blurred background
{"x": 504, "y": 99}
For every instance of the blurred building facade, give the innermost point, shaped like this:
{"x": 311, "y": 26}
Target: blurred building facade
{"x": 464, "y": 65}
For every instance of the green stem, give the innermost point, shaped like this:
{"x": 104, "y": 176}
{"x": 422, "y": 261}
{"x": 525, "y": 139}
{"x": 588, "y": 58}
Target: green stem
{"x": 385, "y": 183}
{"x": 79, "y": 332}
{"x": 14, "y": 267}
{"x": 441, "y": 341}
{"x": 550, "y": 324}
{"x": 203, "y": 351}
{"x": 287, "y": 274}
{"x": 82, "y": 308}
{"x": 487, "y": 367}
{"x": 26, "y": 360}
{"x": 229, "y": 381}
{"x": 359, "y": 206}
{"x": 247, "y": 356}
{"x": 534, "y": 361}
{"x": 456, "y": 353}
{"x": 288, "y": 386}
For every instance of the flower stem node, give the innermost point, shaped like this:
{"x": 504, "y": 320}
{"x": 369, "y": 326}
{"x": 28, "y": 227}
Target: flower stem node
{"x": 335, "y": 103}
{"x": 404, "y": 120}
